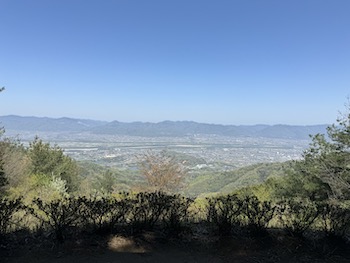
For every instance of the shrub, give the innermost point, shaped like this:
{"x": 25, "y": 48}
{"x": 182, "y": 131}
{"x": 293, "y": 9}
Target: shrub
{"x": 335, "y": 219}
{"x": 105, "y": 212}
{"x": 58, "y": 215}
{"x": 256, "y": 215}
{"x": 177, "y": 213}
{"x": 223, "y": 212}
{"x": 297, "y": 216}
{"x": 7, "y": 209}
{"x": 148, "y": 208}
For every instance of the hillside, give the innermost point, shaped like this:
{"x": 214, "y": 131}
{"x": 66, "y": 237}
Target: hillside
{"x": 227, "y": 182}
{"x": 201, "y": 183}
{"x": 166, "y": 128}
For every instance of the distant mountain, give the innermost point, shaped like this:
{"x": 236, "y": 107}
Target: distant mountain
{"x": 165, "y": 128}
{"x": 45, "y": 124}
{"x": 184, "y": 128}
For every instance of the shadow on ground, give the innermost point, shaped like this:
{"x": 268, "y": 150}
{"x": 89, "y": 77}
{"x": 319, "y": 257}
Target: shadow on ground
{"x": 153, "y": 247}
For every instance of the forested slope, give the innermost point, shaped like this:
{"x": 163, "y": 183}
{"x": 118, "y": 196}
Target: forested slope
{"x": 229, "y": 181}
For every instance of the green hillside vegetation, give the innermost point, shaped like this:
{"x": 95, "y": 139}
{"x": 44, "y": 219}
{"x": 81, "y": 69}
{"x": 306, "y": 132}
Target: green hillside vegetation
{"x": 229, "y": 181}
{"x": 99, "y": 178}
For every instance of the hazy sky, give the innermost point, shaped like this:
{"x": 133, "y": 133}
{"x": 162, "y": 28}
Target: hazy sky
{"x": 230, "y": 62}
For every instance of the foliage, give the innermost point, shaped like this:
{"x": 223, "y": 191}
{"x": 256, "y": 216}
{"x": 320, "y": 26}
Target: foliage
{"x": 334, "y": 218}
{"x": 223, "y": 213}
{"x": 40, "y": 170}
{"x": 230, "y": 214}
{"x": 98, "y": 178}
{"x": 162, "y": 172}
{"x": 14, "y": 165}
{"x": 57, "y": 215}
{"x": 230, "y": 181}
{"x": 256, "y": 214}
{"x": 234, "y": 212}
{"x": 104, "y": 213}
{"x": 106, "y": 182}
{"x": 298, "y": 183}
{"x": 324, "y": 172}
{"x": 177, "y": 213}
{"x": 39, "y": 185}
{"x": 7, "y": 209}
{"x": 51, "y": 161}
{"x": 297, "y": 216}
{"x": 148, "y": 209}
{"x": 327, "y": 160}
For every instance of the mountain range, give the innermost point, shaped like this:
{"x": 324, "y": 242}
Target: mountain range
{"x": 165, "y": 128}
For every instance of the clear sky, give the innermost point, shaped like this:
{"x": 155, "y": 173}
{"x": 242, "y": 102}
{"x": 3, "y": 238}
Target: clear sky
{"x": 230, "y": 62}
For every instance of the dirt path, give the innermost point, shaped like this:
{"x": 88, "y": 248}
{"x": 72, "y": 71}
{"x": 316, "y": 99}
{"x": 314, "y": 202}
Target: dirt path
{"x": 120, "y": 249}
{"x": 150, "y": 248}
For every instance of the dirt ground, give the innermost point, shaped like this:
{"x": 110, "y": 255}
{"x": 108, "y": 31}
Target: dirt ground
{"x": 149, "y": 247}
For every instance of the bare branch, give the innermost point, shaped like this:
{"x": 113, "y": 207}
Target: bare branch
{"x": 162, "y": 172}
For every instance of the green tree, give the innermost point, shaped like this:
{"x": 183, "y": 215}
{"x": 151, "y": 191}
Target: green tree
{"x": 106, "y": 182}
{"x": 324, "y": 171}
{"x": 50, "y": 160}
{"x": 328, "y": 159}
{"x": 299, "y": 182}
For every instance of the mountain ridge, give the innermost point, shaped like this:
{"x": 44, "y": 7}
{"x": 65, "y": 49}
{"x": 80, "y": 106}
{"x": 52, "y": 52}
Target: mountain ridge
{"x": 164, "y": 128}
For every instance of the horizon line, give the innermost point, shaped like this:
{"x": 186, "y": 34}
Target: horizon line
{"x": 158, "y": 122}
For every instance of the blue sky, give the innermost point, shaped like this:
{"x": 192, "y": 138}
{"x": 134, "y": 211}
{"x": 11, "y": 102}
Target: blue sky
{"x": 229, "y": 62}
